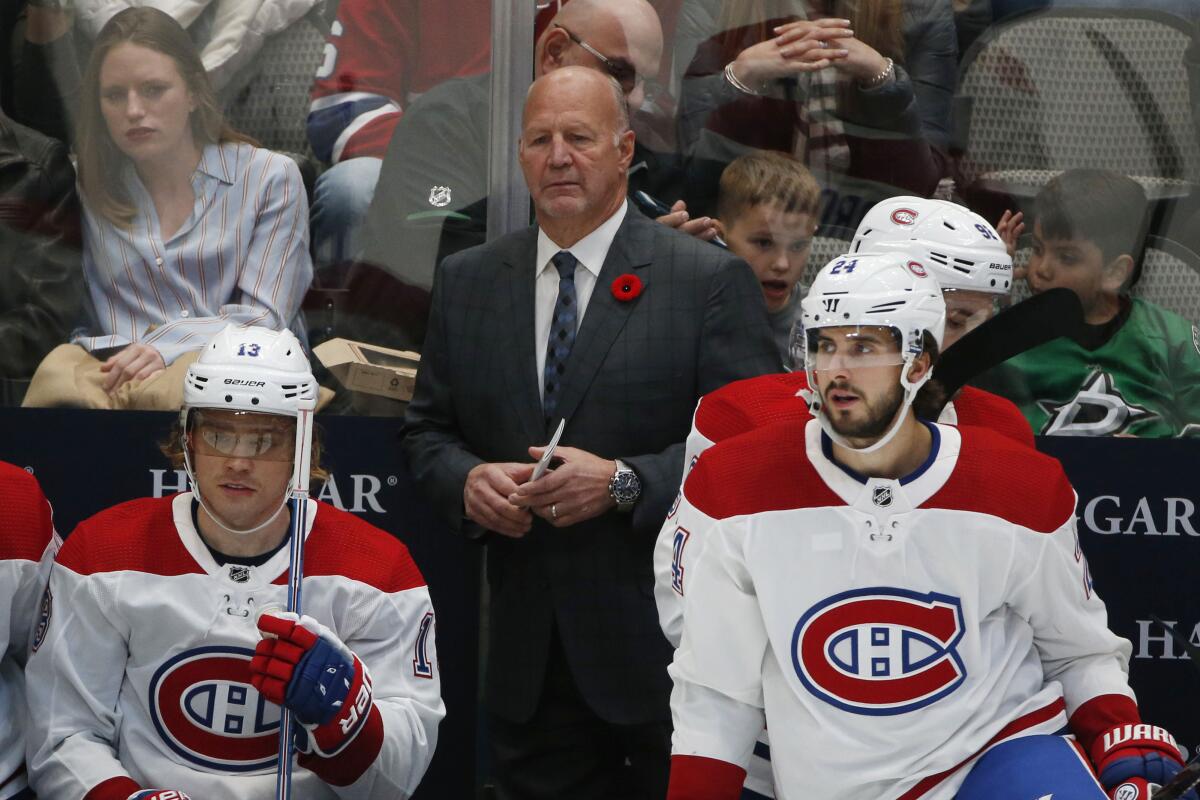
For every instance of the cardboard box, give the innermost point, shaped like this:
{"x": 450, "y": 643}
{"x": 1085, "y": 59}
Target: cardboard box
{"x": 370, "y": 368}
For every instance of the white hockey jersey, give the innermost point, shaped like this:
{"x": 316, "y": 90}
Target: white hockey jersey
{"x": 27, "y": 544}
{"x": 142, "y": 678}
{"x": 885, "y": 631}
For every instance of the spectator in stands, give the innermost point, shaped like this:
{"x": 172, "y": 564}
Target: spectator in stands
{"x": 1135, "y": 370}
{"x": 860, "y": 92}
{"x": 40, "y": 287}
{"x": 767, "y": 212}
{"x": 46, "y": 70}
{"x": 380, "y": 55}
{"x": 431, "y": 197}
{"x": 187, "y": 225}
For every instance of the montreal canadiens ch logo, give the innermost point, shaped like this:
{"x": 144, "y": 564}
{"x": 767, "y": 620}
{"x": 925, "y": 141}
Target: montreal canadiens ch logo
{"x": 880, "y": 651}
{"x": 205, "y": 709}
{"x": 904, "y": 216}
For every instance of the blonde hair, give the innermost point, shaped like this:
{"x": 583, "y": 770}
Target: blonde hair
{"x": 766, "y": 176}
{"x": 100, "y": 160}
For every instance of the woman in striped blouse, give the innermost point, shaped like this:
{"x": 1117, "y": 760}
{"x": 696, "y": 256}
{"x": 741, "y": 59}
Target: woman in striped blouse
{"x": 187, "y": 224}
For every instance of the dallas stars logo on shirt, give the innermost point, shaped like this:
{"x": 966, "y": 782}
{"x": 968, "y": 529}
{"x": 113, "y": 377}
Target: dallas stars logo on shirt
{"x": 1097, "y": 409}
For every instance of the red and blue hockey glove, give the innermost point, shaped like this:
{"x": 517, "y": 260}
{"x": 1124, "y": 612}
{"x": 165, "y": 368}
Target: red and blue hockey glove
{"x": 159, "y": 794}
{"x": 306, "y": 667}
{"x": 1129, "y": 757}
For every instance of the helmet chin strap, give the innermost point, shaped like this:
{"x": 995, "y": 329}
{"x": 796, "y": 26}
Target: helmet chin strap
{"x": 187, "y": 465}
{"x": 815, "y": 406}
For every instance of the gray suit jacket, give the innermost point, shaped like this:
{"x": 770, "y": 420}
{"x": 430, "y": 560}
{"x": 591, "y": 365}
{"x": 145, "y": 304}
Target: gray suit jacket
{"x": 634, "y": 376}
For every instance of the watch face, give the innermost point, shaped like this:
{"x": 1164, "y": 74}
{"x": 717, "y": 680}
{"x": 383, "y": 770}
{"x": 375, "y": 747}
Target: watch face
{"x": 626, "y": 487}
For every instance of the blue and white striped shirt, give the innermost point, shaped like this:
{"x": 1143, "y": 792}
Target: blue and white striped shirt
{"x": 242, "y": 256}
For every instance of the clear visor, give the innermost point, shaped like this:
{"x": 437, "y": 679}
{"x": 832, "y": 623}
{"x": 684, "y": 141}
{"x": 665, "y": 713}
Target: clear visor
{"x": 966, "y": 309}
{"x": 852, "y": 347}
{"x": 242, "y": 434}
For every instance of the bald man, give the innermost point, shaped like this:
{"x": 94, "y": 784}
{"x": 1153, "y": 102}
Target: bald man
{"x": 431, "y": 197}
{"x": 616, "y": 324}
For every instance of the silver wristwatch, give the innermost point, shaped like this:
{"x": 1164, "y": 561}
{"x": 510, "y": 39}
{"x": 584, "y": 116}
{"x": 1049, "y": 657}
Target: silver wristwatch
{"x": 625, "y": 487}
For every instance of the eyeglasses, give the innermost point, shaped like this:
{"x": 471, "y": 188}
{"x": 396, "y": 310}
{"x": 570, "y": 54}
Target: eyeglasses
{"x": 621, "y": 70}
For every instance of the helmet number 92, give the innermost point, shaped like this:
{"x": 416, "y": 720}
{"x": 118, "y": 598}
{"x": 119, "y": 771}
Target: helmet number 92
{"x": 983, "y": 229}
{"x": 248, "y": 350}
{"x": 844, "y": 266}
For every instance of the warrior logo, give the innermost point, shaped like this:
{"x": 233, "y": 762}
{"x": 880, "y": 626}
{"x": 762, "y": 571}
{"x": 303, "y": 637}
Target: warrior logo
{"x": 1098, "y": 409}
{"x": 904, "y": 216}
{"x": 882, "y": 496}
{"x": 207, "y": 712}
{"x": 439, "y": 196}
{"x": 831, "y": 303}
{"x": 1127, "y": 791}
{"x": 880, "y": 651}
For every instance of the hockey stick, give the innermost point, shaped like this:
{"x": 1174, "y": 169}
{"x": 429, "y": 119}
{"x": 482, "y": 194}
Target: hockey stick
{"x": 1188, "y": 777}
{"x": 299, "y": 508}
{"x": 1185, "y": 780}
{"x": 1040, "y": 319}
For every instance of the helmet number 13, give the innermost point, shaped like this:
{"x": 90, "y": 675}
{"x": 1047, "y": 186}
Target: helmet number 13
{"x": 248, "y": 350}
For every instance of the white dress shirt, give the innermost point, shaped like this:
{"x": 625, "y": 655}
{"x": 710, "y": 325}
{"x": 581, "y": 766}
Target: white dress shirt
{"x": 590, "y": 252}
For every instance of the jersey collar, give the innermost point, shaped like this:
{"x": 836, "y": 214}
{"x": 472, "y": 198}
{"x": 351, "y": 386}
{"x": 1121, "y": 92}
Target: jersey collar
{"x": 918, "y": 486}
{"x": 254, "y": 577}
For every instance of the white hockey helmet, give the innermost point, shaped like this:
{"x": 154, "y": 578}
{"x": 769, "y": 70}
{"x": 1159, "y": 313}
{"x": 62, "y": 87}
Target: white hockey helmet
{"x": 962, "y": 248}
{"x": 252, "y": 370}
{"x": 889, "y": 289}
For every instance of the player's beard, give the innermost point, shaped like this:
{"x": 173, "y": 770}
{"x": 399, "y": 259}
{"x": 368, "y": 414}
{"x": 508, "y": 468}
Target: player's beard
{"x": 878, "y": 419}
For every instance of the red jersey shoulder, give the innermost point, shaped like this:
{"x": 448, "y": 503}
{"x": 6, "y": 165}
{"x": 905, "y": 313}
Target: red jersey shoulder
{"x": 25, "y": 522}
{"x": 137, "y": 535}
{"x": 986, "y": 410}
{"x": 765, "y": 469}
{"x": 997, "y": 476}
{"x": 344, "y": 545}
{"x": 751, "y": 403}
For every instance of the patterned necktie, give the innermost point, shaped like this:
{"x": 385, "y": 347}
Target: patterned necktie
{"x": 562, "y": 332}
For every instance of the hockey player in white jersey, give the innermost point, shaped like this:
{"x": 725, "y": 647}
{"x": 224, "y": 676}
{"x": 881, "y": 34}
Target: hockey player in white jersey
{"x": 968, "y": 258}
{"x": 166, "y": 658}
{"x": 903, "y": 604}
{"x": 27, "y": 546}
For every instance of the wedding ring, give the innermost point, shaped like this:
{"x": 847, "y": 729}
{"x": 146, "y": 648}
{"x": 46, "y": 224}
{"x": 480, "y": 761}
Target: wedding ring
{"x": 554, "y": 511}
{"x": 824, "y": 44}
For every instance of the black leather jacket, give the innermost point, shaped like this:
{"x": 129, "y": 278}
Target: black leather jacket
{"x": 41, "y": 279}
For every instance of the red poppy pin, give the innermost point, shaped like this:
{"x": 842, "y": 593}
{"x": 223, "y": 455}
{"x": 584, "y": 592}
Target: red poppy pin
{"x": 627, "y": 287}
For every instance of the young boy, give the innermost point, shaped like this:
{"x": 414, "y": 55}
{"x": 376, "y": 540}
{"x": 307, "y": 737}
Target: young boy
{"x": 1136, "y": 369}
{"x": 767, "y": 212}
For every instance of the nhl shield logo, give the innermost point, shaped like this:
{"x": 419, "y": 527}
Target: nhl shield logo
{"x": 239, "y": 573}
{"x": 439, "y": 196}
{"x": 882, "y": 496}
